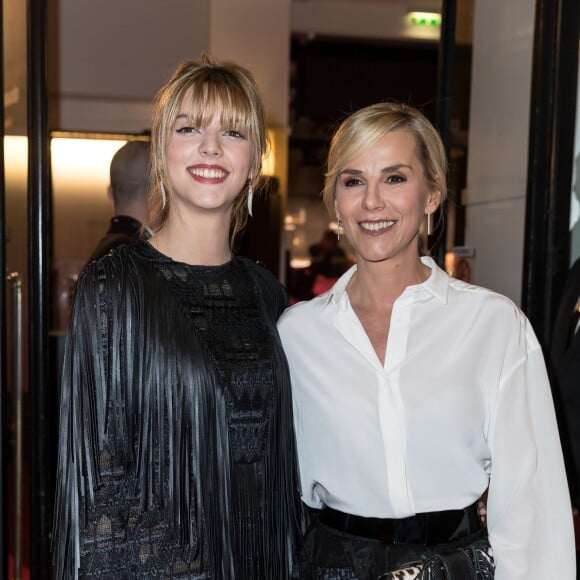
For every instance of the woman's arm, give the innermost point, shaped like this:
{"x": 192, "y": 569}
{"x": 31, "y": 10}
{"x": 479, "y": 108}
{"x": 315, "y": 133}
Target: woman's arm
{"x": 92, "y": 452}
{"x": 529, "y": 513}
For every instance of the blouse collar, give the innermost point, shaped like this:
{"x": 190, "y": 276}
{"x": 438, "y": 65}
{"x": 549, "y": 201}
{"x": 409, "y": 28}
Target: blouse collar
{"x": 436, "y": 284}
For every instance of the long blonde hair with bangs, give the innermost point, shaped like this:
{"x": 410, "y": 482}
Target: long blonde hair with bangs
{"x": 208, "y": 87}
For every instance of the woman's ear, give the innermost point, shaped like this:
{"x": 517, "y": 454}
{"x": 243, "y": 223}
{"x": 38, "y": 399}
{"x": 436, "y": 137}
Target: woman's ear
{"x": 433, "y": 201}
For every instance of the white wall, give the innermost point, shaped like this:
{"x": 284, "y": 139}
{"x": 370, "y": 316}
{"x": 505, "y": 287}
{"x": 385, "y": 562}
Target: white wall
{"x": 498, "y": 142}
{"x": 256, "y": 33}
{"x": 109, "y": 58}
{"x": 107, "y": 69}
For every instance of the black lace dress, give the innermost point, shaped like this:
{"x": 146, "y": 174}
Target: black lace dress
{"x": 176, "y": 453}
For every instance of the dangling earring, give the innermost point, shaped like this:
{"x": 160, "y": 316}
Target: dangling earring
{"x": 250, "y": 199}
{"x": 338, "y": 228}
{"x": 163, "y": 195}
{"x": 429, "y": 224}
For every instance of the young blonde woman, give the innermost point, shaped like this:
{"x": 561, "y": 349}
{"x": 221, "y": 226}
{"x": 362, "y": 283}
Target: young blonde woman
{"x": 177, "y": 454}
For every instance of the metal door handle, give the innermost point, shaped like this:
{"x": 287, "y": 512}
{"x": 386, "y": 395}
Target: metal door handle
{"x": 15, "y": 281}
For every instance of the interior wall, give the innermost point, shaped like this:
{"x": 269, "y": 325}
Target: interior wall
{"x": 498, "y": 142}
{"x": 105, "y": 69}
{"x": 109, "y": 58}
{"x": 256, "y": 33}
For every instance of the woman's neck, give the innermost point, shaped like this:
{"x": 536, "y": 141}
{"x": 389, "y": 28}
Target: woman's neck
{"x": 383, "y": 282}
{"x": 204, "y": 243}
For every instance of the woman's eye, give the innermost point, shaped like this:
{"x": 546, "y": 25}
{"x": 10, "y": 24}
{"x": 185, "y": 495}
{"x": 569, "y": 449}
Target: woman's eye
{"x": 234, "y": 133}
{"x": 352, "y": 182}
{"x": 395, "y": 179}
{"x": 187, "y": 129}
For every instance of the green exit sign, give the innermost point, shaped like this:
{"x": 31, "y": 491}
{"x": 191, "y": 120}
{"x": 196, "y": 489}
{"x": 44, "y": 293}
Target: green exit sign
{"x": 425, "y": 19}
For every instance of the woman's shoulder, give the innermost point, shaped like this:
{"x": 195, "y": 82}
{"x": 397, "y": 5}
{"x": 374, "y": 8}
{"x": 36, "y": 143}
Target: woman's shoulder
{"x": 303, "y": 313}
{"x": 259, "y": 270}
{"x": 481, "y": 294}
{"x": 265, "y": 279}
{"x": 267, "y": 285}
{"x": 119, "y": 285}
{"x": 494, "y": 311}
{"x": 120, "y": 266}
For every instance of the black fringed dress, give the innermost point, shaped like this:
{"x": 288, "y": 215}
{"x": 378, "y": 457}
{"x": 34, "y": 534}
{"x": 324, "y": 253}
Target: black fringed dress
{"x": 176, "y": 452}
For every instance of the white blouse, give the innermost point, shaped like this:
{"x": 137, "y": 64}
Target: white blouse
{"x": 462, "y": 402}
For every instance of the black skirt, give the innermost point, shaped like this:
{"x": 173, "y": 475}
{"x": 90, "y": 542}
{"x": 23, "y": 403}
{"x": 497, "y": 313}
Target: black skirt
{"x": 331, "y": 553}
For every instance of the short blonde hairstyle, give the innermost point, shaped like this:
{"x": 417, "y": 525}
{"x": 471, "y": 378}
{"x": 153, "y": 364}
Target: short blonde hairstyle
{"x": 367, "y": 126}
{"x": 209, "y": 87}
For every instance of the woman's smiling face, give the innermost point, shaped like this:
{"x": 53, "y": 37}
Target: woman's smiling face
{"x": 207, "y": 166}
{"x": 381, "y": 197}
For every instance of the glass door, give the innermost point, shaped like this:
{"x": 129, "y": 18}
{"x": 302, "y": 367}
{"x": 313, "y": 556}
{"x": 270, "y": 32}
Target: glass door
{"x": 24, "y": 256}
{"x": 15, "y": 474}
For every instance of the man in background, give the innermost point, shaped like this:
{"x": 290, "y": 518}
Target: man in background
{"x": 565, "y": 362}
{"x": 329, "y": 262}
{"x": 565, "y": 359}
{"x": 128, "y": 190}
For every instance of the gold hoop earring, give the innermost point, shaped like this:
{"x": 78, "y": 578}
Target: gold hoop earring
{"x": 339, "y": 225}
{"x": 429, "y": 224}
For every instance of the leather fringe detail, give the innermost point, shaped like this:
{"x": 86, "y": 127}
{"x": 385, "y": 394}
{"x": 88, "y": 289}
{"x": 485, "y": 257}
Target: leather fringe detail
{"x": 125, "y": 380}
{"x": 282, "y": 503}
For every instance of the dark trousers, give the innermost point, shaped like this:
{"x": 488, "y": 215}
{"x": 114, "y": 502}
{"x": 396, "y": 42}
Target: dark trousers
{"x": 330, "y": 554}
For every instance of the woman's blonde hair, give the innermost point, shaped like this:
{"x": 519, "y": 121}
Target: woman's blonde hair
{"x": 209, "y": 87}
{"x": 367, "y": 126}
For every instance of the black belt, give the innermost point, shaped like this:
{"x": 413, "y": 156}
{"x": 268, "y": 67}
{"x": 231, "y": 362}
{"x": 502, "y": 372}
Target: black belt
{"x": 426, "y": 528}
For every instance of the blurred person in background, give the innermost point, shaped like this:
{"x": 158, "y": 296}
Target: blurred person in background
{"x": 128, "y": 191}
{"x": 565, "y": 365}
{"x": 329, "y": 262}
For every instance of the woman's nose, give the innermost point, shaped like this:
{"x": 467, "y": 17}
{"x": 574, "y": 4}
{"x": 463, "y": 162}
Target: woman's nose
{"x": 372, "y": 199}
{"x": 210, "y": 144}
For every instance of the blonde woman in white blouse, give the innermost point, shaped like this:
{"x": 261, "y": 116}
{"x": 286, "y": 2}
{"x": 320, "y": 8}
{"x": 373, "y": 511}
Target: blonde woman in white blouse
{"x": 415, "y": 393}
